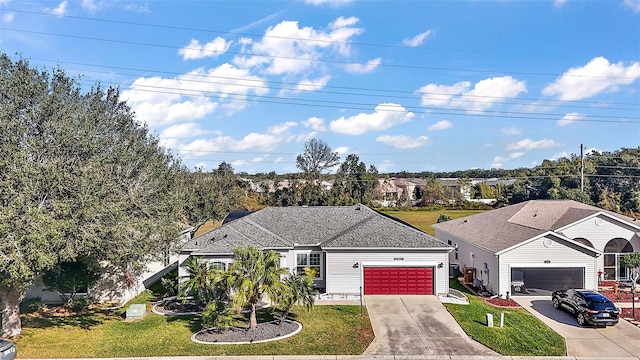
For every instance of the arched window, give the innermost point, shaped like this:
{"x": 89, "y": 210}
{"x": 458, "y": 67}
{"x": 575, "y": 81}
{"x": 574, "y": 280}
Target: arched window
{"x": 583, "y": 241}
{"x": 618, "y": 245}
{"x": 613, "y": 252}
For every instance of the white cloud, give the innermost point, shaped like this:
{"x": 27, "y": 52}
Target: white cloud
{"x": 266, "y": 142}
{"x": 8, "y": 17}
{"x": 193, "y": 95}
{"x": 313, "y": 85}
{"x": 181, "y": 131}
{"x": 484, "y": 94}
{"x": 61, "y": 9}
{"x": 314, "y": 123}
{"x": 569, "y": 118}
{"x": 334, "y": 3}
{"x": 384, "y": 117}
{"x": 499, "y": 161}
{"x": 90, "y": 5}
{"x": 559, "y": 3}
{"x": 279, "y": 159}
{"x": 528, "y": 144}
{"x": 356, "y": 68}
{"x": 341, "y": 150}
{"x": 287, "y": 48}
{"x": 511, "y": 131}
{"x": 143, "y": 8}
{"x": 418, "y": 39}
{"x": 403, "y": 141}
{"x": 441, "y": 125}
{"x": 384, "y": 166}
{"x": 213, "y": 48}
{"x": 563, "y": 154}
{"x": 597, "y": 76}
{"x": 281, "y": 129}
{"x": 239, "y": 163}
{"x": 634, "y": 5}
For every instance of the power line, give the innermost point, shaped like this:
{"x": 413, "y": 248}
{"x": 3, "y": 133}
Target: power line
{"x": 408, "y": 67}
{"x": 332, "y": 104}
{"x": 171, "y": 27}
{"x": 467, "y": 97}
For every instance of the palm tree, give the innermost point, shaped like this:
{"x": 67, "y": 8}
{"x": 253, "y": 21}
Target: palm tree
{"x": 253, "y": 274}
{"x": 298, "y": 289}
{"x": 204, "y": 282}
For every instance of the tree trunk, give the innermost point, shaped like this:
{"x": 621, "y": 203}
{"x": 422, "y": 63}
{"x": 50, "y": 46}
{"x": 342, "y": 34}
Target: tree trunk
{"x": 253, "y": 321}
{"x": 10, "y": 304}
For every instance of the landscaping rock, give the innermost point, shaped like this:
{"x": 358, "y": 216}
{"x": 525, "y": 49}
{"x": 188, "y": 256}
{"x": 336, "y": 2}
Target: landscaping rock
{"x": 264, "y": 331}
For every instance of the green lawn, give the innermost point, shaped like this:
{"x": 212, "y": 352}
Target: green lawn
{"x": 423, "y": 219}
{"x": 522, "y": 334}
{"x": 326, "y": 330}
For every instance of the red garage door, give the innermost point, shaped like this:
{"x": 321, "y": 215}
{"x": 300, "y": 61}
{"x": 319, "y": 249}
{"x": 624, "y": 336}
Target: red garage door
{"x": 398, "y": 280}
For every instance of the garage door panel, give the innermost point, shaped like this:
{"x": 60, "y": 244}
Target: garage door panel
{"x": 549, "y": 279}
{"x": 398, "y": 280}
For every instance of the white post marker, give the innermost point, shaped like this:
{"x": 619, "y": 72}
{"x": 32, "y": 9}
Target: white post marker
{"x": 502, "y": 319}
{"x": 490, "y": 320}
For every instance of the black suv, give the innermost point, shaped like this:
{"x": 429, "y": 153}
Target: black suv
{"x": 589, "y": 306}
{"x": 7, "y": 350}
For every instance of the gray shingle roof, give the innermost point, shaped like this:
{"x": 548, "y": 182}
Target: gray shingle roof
{"x": 502, "y": 228}
{"x": 326, "y": 226}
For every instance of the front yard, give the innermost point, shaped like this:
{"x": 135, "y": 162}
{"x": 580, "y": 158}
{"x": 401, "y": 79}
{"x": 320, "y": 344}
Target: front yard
{"x": 326, "y": 330}
{"x": 522, "y": 334}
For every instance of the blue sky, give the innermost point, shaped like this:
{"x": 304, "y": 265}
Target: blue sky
{"x": 406, "y": 85}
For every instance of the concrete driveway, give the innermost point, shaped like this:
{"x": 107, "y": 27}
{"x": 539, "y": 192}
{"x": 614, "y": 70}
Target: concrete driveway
{"x": 416, "y": 325}
{"x": 621, "y": 340}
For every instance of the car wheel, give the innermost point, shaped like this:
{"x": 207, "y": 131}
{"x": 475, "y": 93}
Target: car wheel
{"x": 555, "y": 303}
{"x": 581, "y": 319}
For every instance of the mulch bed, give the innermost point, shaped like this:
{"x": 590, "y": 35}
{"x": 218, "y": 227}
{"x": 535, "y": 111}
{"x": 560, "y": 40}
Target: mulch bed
{"x": 510, "y": 303}
{"x": 626, "y": 313}
{"x": 177, "y": 308}
{"x": 264, "y": 331}
{"x": 619, "y": 296}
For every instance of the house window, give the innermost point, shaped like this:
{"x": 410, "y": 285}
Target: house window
{"x": 614, "y": 251}
{"x": 311, "y": 260}
{"x": 217, "y": 265}
{"x": 456, "y": 252}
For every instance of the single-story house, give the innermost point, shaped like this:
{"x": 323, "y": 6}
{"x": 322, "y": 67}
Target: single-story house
{"x": 537, "y": 246}
{"x": 352, "y": 248}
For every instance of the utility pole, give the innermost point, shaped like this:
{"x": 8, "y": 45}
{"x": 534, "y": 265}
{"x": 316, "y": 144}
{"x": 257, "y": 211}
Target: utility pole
{"x": 581, "y": 168}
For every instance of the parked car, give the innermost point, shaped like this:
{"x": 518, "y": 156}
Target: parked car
{"x": 589, "y": 306}
{"x": 7, "y": 350}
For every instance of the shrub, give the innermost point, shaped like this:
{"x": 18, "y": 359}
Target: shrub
{"x": 32, "y": 305}
{"x": 81, "y": 303}
{"x": 217, "y": 315}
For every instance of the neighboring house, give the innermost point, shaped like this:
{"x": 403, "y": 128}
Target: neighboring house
{"x": 464, "y": 187}
{"x": 545, "y": 244}
{"x": 352, "y": 248}
{"x": 389, "y": 191}
{"x": 111, "y": 288}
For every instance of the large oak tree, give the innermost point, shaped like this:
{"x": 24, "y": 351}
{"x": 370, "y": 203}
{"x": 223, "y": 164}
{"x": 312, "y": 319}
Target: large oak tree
{"x": 79, "y": 177}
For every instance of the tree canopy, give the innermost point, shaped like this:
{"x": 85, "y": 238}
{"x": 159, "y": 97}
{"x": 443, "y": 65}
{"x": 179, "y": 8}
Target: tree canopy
{"x": 79, "y": 177}
{"x": 317, "y": 157}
